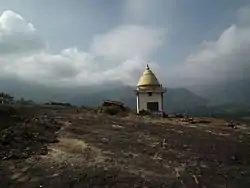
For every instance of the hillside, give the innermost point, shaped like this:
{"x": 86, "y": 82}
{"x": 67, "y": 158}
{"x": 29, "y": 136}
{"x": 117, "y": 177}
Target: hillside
{"x": 236, "y": 93}
{"x": 175, "y": 100}
{"x": 57, "y": 147}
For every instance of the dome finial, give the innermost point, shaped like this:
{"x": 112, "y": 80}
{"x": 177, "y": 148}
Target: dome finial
{"x": 147, "y": 67}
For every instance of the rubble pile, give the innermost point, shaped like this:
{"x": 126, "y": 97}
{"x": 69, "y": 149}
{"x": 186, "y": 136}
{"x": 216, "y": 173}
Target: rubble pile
{"x": 233, "y": 124}
{"x": 188, "y": 120}
{"x": 25, "y": 138}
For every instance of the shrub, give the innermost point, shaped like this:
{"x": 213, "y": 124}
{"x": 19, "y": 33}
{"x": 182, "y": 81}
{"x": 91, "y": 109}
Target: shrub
{"x": 144, "y": 112}
{"x": 112, "y": 110}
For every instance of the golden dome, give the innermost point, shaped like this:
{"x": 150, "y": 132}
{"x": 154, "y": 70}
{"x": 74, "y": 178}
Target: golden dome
{"x": 148, "y": 78}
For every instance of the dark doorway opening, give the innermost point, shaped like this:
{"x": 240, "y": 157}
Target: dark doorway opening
{"x": 150, "y": 94}
{"x": 153, "y": 106}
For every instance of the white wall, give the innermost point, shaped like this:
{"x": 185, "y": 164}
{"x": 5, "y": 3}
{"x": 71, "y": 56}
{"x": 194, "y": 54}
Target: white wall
{"x": 144, "y": 98}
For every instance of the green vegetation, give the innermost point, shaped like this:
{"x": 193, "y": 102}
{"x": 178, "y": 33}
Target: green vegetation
{"x": 58, "y": 104}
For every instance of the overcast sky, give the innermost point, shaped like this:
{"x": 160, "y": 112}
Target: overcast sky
{"x": 83, "y": 42}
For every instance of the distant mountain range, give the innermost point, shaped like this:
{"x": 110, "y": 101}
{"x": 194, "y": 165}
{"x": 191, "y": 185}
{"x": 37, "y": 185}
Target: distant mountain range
{"x": 234, "y": 92}
{"x": 174, "y": 99}
{"x": 197, "y": 100}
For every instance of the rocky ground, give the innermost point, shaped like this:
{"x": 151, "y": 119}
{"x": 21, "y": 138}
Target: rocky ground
{"x": 65, "y": 147}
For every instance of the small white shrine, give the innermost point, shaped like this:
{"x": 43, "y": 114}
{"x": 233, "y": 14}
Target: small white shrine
{"x": 149, "y": 93}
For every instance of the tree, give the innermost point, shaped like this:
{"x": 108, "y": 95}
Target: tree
{"x": 6, "y": 98}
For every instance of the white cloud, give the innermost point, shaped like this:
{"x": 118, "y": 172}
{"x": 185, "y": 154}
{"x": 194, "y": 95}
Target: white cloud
{"x": 23, "y": 55}
{"x": 128, "y": 41}
{"x": 17, "y": 35}
{"x": 119, "y": 55}
{"x": 70, "y": 67}
{"x": 225, "y": 59}
{"x": 12, "y": 22}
